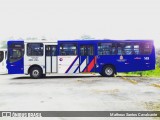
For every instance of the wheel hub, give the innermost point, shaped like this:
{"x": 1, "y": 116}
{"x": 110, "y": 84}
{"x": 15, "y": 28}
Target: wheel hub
{"x": 35, "y": 73}
{"x": 109, "y": 71}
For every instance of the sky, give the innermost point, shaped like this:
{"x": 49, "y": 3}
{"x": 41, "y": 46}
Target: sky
{"x": 71, "y": 19}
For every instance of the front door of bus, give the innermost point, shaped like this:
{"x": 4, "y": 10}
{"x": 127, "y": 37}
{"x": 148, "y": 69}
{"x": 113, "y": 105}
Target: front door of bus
{"x": 87, "y": 58}
{"x": 51, "y": 58}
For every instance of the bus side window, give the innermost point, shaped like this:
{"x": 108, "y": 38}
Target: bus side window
{"x": 120, "y": 50}
{"x": 68, "y": 49}
{"x": 146, "y": 48}
{"x": 124, "y": 49}
{"x": 114, "y": 51}
{"x": 128, "y": 49}
{"x": 35, "y": 49}
{"x": 104, "y": 48}
{"x": 136, "y": 49}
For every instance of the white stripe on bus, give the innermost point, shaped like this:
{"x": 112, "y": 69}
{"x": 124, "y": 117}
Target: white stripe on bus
{"x": 83, "y": 65}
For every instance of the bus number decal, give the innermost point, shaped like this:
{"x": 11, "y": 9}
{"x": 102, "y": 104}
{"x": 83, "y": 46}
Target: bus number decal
{"x": 146, "y": 58}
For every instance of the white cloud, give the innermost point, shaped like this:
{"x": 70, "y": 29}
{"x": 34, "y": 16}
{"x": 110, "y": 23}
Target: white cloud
{"x": 70, "y": 19}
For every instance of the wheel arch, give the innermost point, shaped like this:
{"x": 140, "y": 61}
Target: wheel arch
{"x": 35, "y": 65}
{"x": 115, "y": 70}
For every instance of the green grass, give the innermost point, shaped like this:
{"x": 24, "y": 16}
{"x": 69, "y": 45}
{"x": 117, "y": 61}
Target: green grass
{"x": 151, "y": 73}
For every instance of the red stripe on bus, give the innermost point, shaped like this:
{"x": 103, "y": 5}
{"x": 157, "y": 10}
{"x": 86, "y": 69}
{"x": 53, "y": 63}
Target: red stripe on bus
{"x": 91, "y": 65}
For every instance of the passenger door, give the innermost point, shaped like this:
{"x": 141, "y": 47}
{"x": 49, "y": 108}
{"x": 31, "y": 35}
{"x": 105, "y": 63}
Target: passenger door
{"x": 51, "y": 58}
{"x": 87, "y": 58}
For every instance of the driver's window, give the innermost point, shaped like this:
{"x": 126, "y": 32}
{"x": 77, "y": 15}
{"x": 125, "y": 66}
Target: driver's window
{"x": 16, "y": 52}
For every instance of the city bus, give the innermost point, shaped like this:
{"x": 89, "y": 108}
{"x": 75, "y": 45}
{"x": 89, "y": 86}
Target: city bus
{"x": 106, "y": 57}
{"x": 3, "y": 58}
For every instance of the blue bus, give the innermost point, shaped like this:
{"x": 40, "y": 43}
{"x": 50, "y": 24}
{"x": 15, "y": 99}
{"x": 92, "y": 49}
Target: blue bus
{"x": 106, "y": 57}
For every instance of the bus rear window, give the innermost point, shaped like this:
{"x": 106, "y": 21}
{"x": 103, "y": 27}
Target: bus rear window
{"x": 1, "y": 56}
{"x": 35, "y": 49}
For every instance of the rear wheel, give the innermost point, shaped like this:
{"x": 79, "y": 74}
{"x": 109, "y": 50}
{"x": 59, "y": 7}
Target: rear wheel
{"x": 101, "y": 74}
{"x": 108, "y": 71}
{"x": 36, "y": 72}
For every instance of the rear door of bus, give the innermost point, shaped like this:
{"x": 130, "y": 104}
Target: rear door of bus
{"x": 87, "y": 58}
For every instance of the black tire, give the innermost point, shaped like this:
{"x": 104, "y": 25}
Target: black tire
{"x": 108, "y": 71}
{"x": 43, "y": 75}
{"x": 36, "y": 72}
{"x": 101, "y": 74}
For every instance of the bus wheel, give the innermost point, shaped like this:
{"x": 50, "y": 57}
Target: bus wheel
{"x": 44, "y": 75}
{"x": 36, "y": 72}
{"x": 108, "y": 71}
{"x": 101, "y": 74}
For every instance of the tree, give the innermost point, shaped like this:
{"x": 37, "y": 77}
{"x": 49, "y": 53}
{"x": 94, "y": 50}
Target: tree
{"x": 3, "y": 44}
{"x": 158, "y": 61}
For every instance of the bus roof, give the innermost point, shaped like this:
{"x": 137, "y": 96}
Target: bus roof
{"x": 33, "y": 41}
{"x": 76, "y": 40}
{"x": 105, "y": 40}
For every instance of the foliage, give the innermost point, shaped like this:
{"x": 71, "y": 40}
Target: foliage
{"x": 151, "y": 73}
{"x": 158, "y": 61}
{"x": 3, "y": 44}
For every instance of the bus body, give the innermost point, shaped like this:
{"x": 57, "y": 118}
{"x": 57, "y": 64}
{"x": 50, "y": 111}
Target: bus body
{"x": 106, "y": 57}
{"x": 3, "y": 58}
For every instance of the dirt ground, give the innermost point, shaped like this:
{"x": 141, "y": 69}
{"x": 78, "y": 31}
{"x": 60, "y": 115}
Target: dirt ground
{"x": 79, "y": 93}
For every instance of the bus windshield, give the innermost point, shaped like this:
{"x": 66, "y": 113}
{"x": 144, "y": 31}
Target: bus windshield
{"x": 16, "y": 53}
{"x": 1, "y": 56}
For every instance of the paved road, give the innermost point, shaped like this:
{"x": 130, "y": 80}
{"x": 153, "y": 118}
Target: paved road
{"x": 79, "y": 93}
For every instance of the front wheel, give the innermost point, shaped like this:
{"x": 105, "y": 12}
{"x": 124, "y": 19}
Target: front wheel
{"x": 36, "y": 72}
{"x": 108, "y": 71}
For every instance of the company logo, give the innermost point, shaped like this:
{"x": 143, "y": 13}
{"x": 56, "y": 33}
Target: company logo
{"x": 121, "y": 59}
{"x": 6, "y": 114}
{"x": 60, "y": 59}
{"x": 21, "y": 114}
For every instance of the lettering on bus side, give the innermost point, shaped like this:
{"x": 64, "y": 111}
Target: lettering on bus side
{"x": 34, "y": 59}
